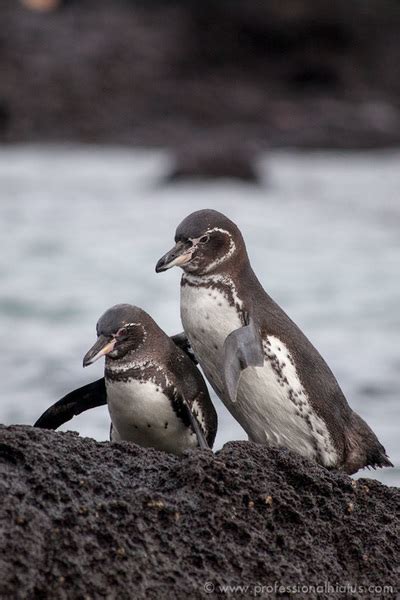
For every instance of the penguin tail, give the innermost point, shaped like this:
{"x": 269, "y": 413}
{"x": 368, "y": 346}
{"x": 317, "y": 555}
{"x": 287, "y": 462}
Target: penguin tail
{"x": 363, "y": 447}
{"x": 380, "y": 459}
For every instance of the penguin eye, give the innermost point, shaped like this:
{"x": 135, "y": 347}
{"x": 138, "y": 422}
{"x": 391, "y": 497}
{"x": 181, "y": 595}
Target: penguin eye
{"x": 123, "y": 332}
{"x": 204, "y": 239}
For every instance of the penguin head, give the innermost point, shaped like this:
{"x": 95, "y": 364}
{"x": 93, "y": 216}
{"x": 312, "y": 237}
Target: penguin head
{"x": 121, "y": 329}
{"x": 205, "y": 242}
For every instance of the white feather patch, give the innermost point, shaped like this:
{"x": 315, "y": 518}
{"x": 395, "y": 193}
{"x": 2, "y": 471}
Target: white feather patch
{"x": 208, "y": 319}
{"x": 141, "y": 413}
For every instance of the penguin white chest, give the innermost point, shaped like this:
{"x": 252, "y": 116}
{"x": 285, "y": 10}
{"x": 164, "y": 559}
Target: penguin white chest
{"x": 208, "y": 318}
{"x": 140, "y": 412}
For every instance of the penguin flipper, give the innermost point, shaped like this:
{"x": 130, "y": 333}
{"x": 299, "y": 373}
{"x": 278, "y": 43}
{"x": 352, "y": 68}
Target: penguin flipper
{"x": 186, "y": 401}
{"x": 181, "y": 340}
{"x": 203, "y": 444}
{"x": 74, "y": 403}
{"x": 242, "y": 348}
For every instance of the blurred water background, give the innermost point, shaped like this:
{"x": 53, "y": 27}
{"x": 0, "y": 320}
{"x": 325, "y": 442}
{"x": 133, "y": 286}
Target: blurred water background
{"x": 82, "y": 228}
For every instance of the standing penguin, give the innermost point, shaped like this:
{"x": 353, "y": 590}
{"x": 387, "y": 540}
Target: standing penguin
{"x": 265, "y": 370}
{"x": 155, "y": 394}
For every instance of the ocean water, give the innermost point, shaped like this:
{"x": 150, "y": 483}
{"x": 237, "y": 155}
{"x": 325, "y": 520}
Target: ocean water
{"x": 81, "y": 229}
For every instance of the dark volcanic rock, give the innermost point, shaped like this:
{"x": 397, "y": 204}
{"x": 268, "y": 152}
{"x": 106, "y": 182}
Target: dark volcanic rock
{"x": 82, "y": 519}
{"x": 308, "y": 73}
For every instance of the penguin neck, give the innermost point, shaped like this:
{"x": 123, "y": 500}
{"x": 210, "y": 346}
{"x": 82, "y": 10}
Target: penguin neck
{"x": 132, "y": 360}
{"x": 236, "y": 279}
{"x": 223, "y": 281}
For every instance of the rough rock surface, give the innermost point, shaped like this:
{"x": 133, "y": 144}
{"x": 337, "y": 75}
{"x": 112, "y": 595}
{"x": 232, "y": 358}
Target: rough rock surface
{"x": 82, "y": 519}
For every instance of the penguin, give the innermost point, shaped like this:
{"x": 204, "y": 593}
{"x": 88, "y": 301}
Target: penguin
{"x": 155, "y": 394}
{"x": 264, "y": 369}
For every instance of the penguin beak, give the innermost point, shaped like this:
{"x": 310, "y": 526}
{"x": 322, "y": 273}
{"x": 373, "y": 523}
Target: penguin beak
{"x": 102, "y": 347}
{"x": 178, "y": 256}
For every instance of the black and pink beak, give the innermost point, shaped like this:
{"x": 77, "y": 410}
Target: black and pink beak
{"x": 178, "y": 256}
{"x": 103, "y": 346}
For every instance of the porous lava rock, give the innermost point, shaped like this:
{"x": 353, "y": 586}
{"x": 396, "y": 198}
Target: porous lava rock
{"x": 84, "y": 519}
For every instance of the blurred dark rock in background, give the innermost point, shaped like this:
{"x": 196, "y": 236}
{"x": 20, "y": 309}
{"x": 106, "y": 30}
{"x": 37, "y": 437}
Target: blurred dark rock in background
{"x": 302, "y": 73}
{"x": 214, "y": 158}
